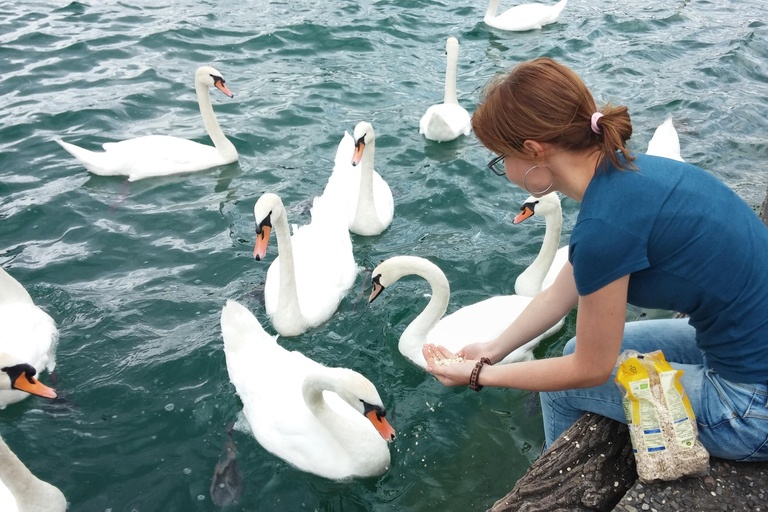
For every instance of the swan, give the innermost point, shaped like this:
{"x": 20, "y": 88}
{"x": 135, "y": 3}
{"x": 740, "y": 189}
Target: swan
{"x": 161, "y": 155}
{"x": 314, "y": 269}
{"x": 326, "y": 421}
{"x": 28, "y": 333}
{"x": 448, "y": 120}
{"x": 475, "y": 323}
{"x": 367, "y": 196}
{"x": 542, "y": 272}
{"x": 523, "y": 17}
{"x": 665, "y": 142}
{"x": 21, "y": 491}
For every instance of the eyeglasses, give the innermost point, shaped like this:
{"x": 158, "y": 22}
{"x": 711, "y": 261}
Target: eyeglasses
{"x": 497, "y": 165}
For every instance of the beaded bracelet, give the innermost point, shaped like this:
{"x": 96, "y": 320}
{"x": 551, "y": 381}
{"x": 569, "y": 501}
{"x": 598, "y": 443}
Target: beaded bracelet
{"x": 473, "y": 385}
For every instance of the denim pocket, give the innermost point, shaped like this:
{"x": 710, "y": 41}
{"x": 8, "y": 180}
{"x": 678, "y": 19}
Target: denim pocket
{"x": 733, "y": 421}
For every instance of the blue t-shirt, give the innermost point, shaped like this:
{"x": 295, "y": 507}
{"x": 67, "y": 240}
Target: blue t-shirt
{"x": 690, "y": 244}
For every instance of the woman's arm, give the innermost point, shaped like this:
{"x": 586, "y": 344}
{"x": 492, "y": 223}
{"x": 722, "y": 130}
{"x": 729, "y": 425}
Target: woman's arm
{"x": 599, "y": 331}
{"x": 544, "y": 311}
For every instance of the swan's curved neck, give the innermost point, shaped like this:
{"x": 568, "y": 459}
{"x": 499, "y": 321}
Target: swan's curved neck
{"x": 288, "y": 297}
{"x": 491, "y": 12}
{"x": 222, "y": 143}
{"x": 450, "y": 76}
{"x": 415, "y": 335}
{"x": 30, "y": 492}
{"x": 345, "y": 432}
{"x": 529, "y": 282}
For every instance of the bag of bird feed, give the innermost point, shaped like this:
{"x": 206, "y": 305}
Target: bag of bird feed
{"x": 662, "y": 426}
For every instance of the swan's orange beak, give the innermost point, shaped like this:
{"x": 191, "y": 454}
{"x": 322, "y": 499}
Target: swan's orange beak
{"x": 524, "y": 214}
{"x": 358, "y": 154}
{"x": 223, "y": 88}
{"x": 33, "y": 386}
{"x": 262, "y": 241}
{"x": 382, "y": 426}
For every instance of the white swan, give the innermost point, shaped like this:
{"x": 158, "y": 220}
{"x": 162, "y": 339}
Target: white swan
{"x": 367, "y": 196}
{"x": 665, "y": 142}
{"x": 448, "y": 120}
{"x": 542, "y": 272}
{"x": 523, "y": 17}
{"x": 475, "y": 323}
{"x": 314, "y": 269}
{"x": 327, "y": 421}
{"x": 21, "y": 491}
{"x": 161, "y": 155}
{"x": 27, "y": 333}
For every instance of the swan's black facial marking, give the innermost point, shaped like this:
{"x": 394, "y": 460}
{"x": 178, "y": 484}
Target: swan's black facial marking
{"x": 15, "y": 371}
{"x": 266, "y": 222}
{"x": 361, "y": 140}
{"x": 217, "y": 79}
{"x": 380, "y": 411}
{"x": 531, "y": 205}
{"x": 377, "y": 288}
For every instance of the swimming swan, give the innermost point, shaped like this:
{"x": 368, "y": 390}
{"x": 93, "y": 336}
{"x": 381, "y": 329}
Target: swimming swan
{"x": 21, "y": 491}
{"x": 161, "y": 155}
{"x": 367, "y": 196}
{"x": 475, "y": 323}
{"x": 314, "y": 269}
{"x": 523, "y": 17}
{"x": 28, "y": 333}
{"x": 665, "y": 142}
{"x": 542, "y": 272}
{"x": 448, "y": 120}
{"x": 326, "y": 421}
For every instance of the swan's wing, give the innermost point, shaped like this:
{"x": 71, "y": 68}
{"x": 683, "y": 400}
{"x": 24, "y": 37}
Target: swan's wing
{"x": 383, "y": 200}
{"x": 526, "y": 17}
{"x": 29, "y": 334}
{"x": 324, "y": 264}
{"x": 445, "y": 122}
{"x": 665, "y": 142}
{"x": 12, "y": 291}
{"x": 479, "y": 322}
{"x": 157, "y": 155}
{"x": 344, "y": 182}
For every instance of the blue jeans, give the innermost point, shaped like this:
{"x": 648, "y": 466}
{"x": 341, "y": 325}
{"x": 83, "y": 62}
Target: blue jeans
{"x": 732, "y": 417}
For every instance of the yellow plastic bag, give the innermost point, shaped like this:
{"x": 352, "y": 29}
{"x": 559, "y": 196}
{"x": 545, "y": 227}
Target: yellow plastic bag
{"x": 662, "y": 426}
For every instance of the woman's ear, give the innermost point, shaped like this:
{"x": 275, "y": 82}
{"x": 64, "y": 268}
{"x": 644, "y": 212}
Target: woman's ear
{"x": 534, "y": 149}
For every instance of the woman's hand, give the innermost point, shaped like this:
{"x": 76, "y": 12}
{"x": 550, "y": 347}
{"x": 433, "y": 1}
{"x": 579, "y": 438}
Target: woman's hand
{"x": 476, "y": 351}
{"x": 449, "y": 368}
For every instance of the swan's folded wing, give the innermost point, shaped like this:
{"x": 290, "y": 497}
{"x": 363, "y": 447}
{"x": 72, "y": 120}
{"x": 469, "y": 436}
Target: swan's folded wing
{"x": 477, "y": 323}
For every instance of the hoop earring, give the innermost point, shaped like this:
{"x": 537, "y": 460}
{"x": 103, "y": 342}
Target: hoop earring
{"x": 542, "y": 192}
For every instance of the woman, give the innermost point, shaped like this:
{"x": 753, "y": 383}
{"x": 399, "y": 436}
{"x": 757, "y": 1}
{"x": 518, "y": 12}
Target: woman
{"x": 652, "y": 232}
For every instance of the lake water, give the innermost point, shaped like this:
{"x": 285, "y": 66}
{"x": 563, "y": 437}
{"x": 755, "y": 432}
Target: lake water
{"x": 135, "y": 274}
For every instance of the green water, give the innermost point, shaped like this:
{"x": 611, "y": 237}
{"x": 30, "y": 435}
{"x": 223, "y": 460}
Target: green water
{"x": 135, "y": 275}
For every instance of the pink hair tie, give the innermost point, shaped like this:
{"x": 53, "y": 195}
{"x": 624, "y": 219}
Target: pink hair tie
{"x": 595, "y": 117}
